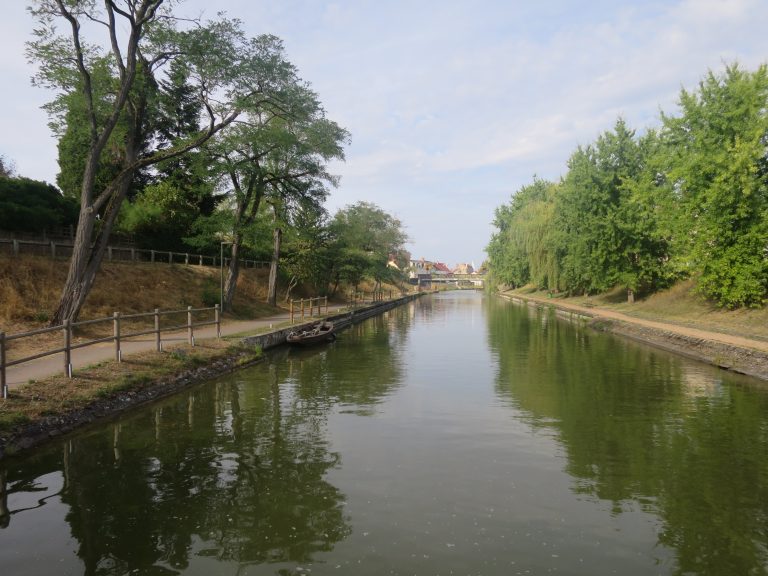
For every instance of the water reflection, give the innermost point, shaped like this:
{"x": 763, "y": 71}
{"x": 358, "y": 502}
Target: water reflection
{"x": 645, "y": 430}
{"x": 233, "y": 471}
{"x": 455, "y": 434}
{"x": 358, "y": 373}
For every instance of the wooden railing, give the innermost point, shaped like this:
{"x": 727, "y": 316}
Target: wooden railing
{"x": 118, "y": 335}
{"x": 363, "y": 297}
{"x": 307, "y": 306}
{"x": 56, "y": 250}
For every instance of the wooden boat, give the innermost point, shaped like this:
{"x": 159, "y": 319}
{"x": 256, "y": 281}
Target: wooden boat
{"x": 315, "y": 334}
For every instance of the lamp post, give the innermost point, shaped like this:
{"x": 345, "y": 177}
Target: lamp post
{"x": 221, "y": 276}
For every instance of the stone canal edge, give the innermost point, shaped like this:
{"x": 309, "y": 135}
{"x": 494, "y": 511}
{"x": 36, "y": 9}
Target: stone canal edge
{"x": 735, "y": 354}
{"x": 37, "y": 432}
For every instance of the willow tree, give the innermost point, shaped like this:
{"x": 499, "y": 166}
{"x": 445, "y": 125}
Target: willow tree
{"x": 137, "y": 40}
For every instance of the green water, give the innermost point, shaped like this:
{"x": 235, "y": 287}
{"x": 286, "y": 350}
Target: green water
{"x": 455, "y": 435}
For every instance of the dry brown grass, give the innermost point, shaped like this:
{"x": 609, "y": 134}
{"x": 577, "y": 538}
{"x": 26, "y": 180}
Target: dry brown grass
{"x": 30, "y": 287}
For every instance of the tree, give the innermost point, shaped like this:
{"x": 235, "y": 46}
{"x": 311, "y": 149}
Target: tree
{"x": 303, "y": 178}
{"x": 32, "y": 206}
{"x": 308, "y": 256}
{"x": 278, "y": 155}
{"x": 366, "y": 236}
{"x": 599, "y": 236}
{"x": 523, "y": 249}
{"x": 718, "y": 171}
{"x": 232, "y": 74}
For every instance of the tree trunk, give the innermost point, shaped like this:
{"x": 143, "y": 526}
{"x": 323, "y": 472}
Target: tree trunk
{"x": 291, "y": 285}
{"x": 86, "y": 257}
{"x": 233, "y": 272}
{"x": 277, "y": 235}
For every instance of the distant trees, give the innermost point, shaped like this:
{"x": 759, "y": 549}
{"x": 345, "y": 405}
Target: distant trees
{"x": 641, "y": 212}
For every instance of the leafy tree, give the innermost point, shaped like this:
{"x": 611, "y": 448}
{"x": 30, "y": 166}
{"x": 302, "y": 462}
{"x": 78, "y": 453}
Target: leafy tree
{"x": 182, "y": 189}
{"x": 232, "y": 73}
{"x": 278, "y": 155}
{"x": 366, "y": 236}
{"x": 304, "y": 179}
{"x": 308, "y": 255}
{"x": 32, "y": 206}
{"x": 523, "y": 250}
{"x": 719, "y": 174}
{"x": 602, "y": 236}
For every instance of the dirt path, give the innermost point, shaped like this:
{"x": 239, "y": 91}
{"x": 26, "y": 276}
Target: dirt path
{"x": 596, "y": 312}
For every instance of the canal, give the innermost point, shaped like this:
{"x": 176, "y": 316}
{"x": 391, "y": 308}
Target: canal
{"x": 459, "y": 434}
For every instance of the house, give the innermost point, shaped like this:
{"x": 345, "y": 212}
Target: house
{"x": 464, "y": 269}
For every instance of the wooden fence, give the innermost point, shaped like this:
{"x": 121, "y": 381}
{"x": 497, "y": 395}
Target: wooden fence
{"x": 117, "y": 336}
{"x": 57, "y": 249}
{"x": 307, "y": 306}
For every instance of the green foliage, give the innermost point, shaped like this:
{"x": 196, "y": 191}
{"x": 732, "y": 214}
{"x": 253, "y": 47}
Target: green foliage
{"x": 366, "y": 237}
{"x": 32, "y": 206}
{"x": 643, "y": 212}
{"x": 719, "y": 171}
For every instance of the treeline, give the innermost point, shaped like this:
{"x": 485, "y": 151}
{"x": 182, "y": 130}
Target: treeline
{"x": 190, "y": 135}
{"x": 689, "y": 199}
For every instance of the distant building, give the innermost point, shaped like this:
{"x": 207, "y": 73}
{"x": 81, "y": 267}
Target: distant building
{"x": 420, "y": 272}
{"x": 464, "y": 269}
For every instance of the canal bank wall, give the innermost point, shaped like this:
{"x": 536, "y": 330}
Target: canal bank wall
{"x": 738, "y": 359}
{"x": 31, "y": 434}
{"x": 340, "y": 322}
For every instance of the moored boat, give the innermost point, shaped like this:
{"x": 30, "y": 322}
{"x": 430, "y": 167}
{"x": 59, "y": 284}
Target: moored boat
{"x": 315, "y": 334}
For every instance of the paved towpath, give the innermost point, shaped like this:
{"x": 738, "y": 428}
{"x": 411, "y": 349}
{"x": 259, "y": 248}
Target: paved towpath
{"x": 54, "y": 364}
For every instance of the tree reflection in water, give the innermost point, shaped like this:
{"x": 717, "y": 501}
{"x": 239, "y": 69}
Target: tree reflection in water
{"x": 233, "y": 471}
{"x": 642, "y": 431}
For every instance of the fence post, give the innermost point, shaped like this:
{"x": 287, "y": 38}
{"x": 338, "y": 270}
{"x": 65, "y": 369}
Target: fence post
{"x": 53, "y": 250}
{"x": 67, "y": 327}
{"x": 201, "y": 261}
{"x": 302, "y": 308}
{"x": 3, "y": 383}
{"x": 190, "y": 334}
{"x": 15, "y": 247}
{"x": 170, "y": 257}
{"x": 158, "y": 342}
{"x": 311, "y": 307}
{"x": 116, "y": 331}
{"x": 133, "y": 255}
{"x": 186, "y": 258}
{"x": 291, "y": 308}
{"x": 109, "y": 253}
{"x": 326, "y": 305}
{"x": 152, "y": 256}
{"x": 217, "y": 319}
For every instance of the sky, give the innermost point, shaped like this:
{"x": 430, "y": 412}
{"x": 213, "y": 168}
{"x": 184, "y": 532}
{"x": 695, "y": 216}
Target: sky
{"x": 452, "y": 105}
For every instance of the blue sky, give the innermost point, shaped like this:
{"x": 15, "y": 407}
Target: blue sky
{"x": 453, "y": 105}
